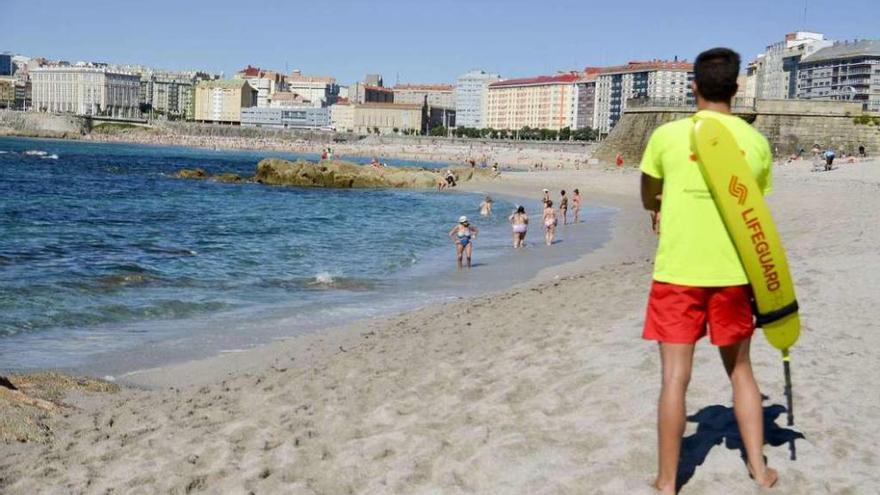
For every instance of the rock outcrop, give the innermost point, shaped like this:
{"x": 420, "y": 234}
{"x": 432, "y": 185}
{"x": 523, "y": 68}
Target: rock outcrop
{"x": 336, "y": 174}
{"x": 344, "y": 175}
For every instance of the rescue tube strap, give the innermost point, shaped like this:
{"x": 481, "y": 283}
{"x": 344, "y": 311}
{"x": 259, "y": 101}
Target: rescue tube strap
{"x": 762, "y": 319}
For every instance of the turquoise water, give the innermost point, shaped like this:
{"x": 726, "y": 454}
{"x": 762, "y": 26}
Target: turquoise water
{"x": 104, "y": 254}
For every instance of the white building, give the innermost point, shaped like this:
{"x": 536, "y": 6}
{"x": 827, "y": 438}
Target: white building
{"x": 776, "y": 76}
{"x": 665, "y": 82}
{"x": 471, "y": 98}
{"x": 84, "y": 91}
{"x": 321, "y": 91}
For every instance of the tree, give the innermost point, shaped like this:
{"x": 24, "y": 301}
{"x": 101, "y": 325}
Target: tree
{"x": 565, "y": 134}
{"x": 438, "y": 131}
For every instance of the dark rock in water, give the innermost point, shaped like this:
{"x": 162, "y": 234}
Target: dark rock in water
{"x": 192, "y": 173}
{"x": 229, "y": 178}
{"x": 344, "y": 175}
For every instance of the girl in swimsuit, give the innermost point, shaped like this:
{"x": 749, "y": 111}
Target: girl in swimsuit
{"x": 463, "y": 236}
{"x": 520, "y": 222}
{"x": 576, "y": 205}
{"x": 549, "y": 222}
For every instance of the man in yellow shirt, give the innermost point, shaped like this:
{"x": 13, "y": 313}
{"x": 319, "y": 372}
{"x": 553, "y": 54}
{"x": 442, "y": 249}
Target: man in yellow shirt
{"x": 699, "y": 282}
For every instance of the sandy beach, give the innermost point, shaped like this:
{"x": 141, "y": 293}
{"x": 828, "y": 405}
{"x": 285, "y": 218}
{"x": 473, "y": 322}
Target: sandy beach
{"x": 524, "y": 155}
{"x": 543, "y": 388}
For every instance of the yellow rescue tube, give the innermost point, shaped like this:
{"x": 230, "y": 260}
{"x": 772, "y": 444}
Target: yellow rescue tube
{"x": 745, "y": 214}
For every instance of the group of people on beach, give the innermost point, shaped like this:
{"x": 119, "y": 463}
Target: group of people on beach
{"x": 550, "y": 216}
{"x": 463, "y": 233}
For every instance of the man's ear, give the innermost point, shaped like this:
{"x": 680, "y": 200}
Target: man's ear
{"x": 694, "y": 87}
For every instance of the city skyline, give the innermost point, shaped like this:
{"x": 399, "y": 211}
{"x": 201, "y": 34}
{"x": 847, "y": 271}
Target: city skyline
{"x": 348, "y": 39}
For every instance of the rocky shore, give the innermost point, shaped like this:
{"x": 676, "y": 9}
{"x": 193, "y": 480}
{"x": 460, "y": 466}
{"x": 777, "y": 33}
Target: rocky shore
{"x": 338, "y": 174}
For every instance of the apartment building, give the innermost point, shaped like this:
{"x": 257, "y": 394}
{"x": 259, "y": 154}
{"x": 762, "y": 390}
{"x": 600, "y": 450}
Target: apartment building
{"x": 543, "y": 102}
{"x": 320, "y": 91}
{"x": 585, "y": 99}
{"x": 471, "y": 98}
{"x": 84, "y": 90}
{"x": 221, "y": 101}
{"x": 776, "y": 75}
{"x": 848, "y": 71}
{"x": 661, "y": 80}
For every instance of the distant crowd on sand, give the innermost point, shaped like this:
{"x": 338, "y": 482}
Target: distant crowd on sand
{"x": 464, "y": 233}
{"x": 823, "y": 156}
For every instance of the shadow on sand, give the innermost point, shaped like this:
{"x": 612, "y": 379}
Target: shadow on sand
{"x": 716, "y": 425}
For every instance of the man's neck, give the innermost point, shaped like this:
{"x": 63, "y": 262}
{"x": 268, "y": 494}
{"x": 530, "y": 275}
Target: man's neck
{"x": 714, "y": 106}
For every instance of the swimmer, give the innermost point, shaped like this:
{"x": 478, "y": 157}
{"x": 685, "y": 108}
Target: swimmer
{"x": 486, "y": 207}
{"x": 520, "y": 223}
{"x": 576, "y": 205}
{"x": 563, "y": 207}
{"x": 463, "y": 235}
{"x": 549, "y": 218}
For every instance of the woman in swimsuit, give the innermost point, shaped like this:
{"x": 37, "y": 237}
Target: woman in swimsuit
{"x": 549, "y": 222}
{"x": 576, "y": 205}
{"x": 463, "y": 235}
{"x": 486, "y": 207}
{"x": 520, "y": 222}
{"x": 563, "y": 207}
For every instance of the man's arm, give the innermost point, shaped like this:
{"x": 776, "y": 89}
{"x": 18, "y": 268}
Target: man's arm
{"x": 652, "y": 189}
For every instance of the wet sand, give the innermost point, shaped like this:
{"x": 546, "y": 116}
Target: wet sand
{"x": 545, "y": 387}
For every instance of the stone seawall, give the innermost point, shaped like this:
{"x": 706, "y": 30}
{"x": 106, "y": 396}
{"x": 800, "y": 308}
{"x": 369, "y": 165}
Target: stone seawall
{"x": 788, "y": 127}
{"x": 43, "y": 124}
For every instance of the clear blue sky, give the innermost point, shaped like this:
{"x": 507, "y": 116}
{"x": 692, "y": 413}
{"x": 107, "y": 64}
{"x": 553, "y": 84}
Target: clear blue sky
{"x": 422, "y": 41}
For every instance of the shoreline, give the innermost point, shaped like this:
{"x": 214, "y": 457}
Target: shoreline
{"x": 544, "y": 387}
{"x": 519, "y": 156}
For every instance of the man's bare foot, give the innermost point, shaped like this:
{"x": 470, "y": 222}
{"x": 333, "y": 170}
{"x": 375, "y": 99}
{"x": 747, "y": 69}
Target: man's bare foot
{"x": 767, "y": 479}
{"x": 664, "y": 489}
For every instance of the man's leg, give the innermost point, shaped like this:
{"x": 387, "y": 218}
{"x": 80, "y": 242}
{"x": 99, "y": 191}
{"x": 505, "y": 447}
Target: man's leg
{"x": 747, "y": 408}
{"x": 677, "y": 360}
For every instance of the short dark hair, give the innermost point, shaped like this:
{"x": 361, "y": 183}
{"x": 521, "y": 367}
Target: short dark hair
{"x": 715, "y": 72}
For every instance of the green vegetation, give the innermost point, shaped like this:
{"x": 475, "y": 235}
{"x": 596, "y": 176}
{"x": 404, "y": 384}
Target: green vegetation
{"x": 867, "y": 120}
{"x": 527, "y": 133}
{"x": 110, "y": 127}
{"x": 438, "y": 131}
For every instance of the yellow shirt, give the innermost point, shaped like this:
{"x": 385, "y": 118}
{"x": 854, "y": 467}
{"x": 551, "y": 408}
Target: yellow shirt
{"x": 694, "y": 248}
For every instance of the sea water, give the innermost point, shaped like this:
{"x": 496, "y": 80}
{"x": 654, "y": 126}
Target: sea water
{"x": 108, "y": 263}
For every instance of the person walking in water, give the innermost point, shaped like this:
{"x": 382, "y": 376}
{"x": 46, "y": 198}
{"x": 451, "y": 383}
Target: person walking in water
{"x": 576, "y": 206}
{"x": 563, "y": 207}
{"x": 549, "y": 218}
{"x": 463, "y": 235}
{"x": 486, "y": 207}
{"x": 699, "y": 282}
{"x": 520, "y": 223}
{"x": 546, "y": 197}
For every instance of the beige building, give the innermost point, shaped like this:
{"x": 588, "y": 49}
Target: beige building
{"x": 85, "y": 91}
{"x": 544, "y": 102}
{"x": 7, "y": 91}
{"x": 384, "y": 118}
{"x": 436, "y": 95}
{"x": 222, "y": 100}
{"x": 366, "y": 93}
{"x": 266, "y": 82}
{"x": 342, "y": 116}
{"x": 320, "y": 91}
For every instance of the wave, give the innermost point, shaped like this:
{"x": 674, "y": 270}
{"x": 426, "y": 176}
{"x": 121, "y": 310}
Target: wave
{"x": 36, "y": 153}
{"x": 321, "y": 281}
{"x": 53, "y": 156}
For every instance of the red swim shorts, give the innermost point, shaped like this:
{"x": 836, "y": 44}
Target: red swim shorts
{"x": 678, "y": 314}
